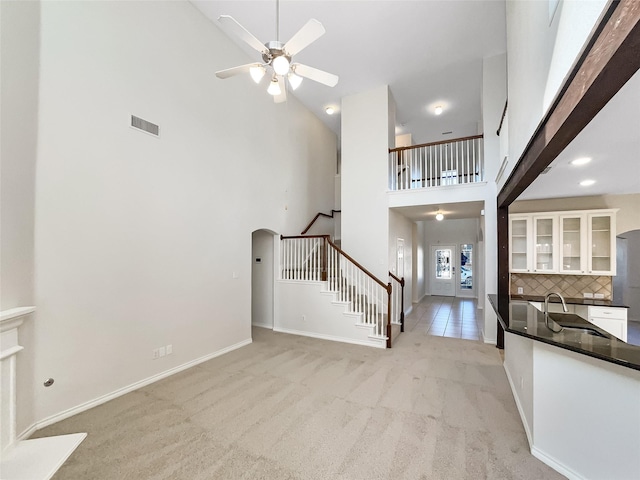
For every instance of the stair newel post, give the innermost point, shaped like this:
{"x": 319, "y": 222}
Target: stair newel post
{"x": 325, "y": 249}
{"x": 402, "y": 306}
{"x": 389, "y": 290}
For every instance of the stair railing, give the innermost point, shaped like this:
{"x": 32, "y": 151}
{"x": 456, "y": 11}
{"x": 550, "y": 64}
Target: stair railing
{"x": 365, "y": 293}
{"x": 304, "y": 258}
{"x": 450, "y": 162}
{"x": 317, "y": 258}
{"x": 397, "y": 314}
{"x": 320, "y": 214}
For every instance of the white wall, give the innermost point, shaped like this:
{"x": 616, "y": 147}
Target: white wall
{"x": 18, "y": 152}
{"x": 401, "y": 227}
{"x": 142, "y": 241}
{"x": 366, "y": 139}
{"x": 540, "y": 54}
{"x": 494, "y": 96}
{"x": 418, "y": 262}
{"x": 262, "y": 278}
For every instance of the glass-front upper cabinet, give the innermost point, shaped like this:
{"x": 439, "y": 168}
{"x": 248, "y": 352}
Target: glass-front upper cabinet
{"x": 601, "y": 244}
{"x": 519, "y": 248}
{"x": 544, "y": 237}
{"x": 572, "y": 244}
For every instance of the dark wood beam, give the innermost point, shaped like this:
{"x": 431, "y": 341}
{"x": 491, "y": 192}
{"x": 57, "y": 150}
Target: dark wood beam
{"x": 503, "y": 270}
{"x": 608, "y": 61}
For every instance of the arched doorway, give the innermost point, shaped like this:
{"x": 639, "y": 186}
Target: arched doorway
{"x": 262, "y": 278}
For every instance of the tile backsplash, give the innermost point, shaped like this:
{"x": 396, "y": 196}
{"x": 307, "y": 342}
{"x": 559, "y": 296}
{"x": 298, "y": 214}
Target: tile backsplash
{"x": 570, "y": 286}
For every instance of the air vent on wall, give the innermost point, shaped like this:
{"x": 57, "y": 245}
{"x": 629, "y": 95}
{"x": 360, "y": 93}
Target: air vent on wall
{"x": 145, "y": 126}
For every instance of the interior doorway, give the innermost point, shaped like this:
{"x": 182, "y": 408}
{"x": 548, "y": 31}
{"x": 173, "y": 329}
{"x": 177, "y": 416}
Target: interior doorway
{"x": 262, "y": 278}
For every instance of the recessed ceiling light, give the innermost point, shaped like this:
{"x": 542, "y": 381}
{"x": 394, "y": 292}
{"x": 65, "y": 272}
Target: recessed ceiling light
{"x": 580, "y": 161}
{"x": 587, "y": 183}
{"x": 439, "y": 216}
{"x": 438, "y": 110}
{"x": 330, "y": 110}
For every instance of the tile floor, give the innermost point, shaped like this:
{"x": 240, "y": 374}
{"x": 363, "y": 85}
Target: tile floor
{"x": 445, "y": 317}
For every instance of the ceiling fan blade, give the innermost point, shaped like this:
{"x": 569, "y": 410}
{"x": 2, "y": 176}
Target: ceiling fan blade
{"x": 242, "y": 33}
{"x": 328, "y": 79}
{"x": 230, "y": 72}
{"x": 283, "y": 91}
{"x": 310, "y": 32}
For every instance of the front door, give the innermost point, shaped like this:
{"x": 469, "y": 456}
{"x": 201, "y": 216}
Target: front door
{"x": 443, "y": 270}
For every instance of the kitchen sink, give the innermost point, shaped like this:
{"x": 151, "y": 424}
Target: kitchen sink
{"x": 588, "y": 331}
{"x": 575, "y": 323}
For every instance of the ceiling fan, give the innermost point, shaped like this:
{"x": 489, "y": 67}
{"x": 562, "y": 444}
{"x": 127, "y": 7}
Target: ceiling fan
{"x": 276, "y": 57}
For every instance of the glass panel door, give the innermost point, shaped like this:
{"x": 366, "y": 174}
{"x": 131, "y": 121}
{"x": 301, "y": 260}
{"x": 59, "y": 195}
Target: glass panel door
{"x": 600, "y": 243}
{"x": 543, "y": 252}
{"x": 466, "y": 266}
{"x": 443, "y": 263}
{"x": 571, "y": 230}
{"x": 519, "y": 251}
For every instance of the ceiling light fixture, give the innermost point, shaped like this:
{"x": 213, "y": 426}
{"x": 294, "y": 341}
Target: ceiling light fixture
{"x": 294, "y": 80}
{"x": 330, "y": 110}
{"x": 274, "y": 88}
{"x": 439, "y": 216}
{"x": 280, "y": 65}
{"x": 438, "y": 110}
{"x": 257, "y": 72}
{"x": 587, "y": 183}
{"x": 580, "y": 161}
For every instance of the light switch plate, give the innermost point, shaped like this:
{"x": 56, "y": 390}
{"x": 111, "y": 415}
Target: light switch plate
{"x": 520, "y": 290}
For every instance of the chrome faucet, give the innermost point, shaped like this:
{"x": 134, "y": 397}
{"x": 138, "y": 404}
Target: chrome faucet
{"x": 546, "y": 310}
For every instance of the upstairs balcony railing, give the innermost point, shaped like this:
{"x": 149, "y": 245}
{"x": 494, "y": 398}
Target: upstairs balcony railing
{"x": 452, "y": 162}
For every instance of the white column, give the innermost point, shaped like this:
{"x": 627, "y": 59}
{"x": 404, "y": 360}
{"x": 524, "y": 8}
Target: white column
{"x": 368, "y": 122}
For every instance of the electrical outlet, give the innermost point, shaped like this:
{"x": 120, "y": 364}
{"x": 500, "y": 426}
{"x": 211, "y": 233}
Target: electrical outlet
{"x": 156, "y": 353}
{"x": 520, "y": 290}
{"x": 162, "y": 351}
{"x": 304, "y": 318}
{"x": 598, "y": 295}
{"x": 169, "y": 349}
{"x": 588, "y": 295}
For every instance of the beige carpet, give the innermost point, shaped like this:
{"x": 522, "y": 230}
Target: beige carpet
{"x": 289, "y": 407}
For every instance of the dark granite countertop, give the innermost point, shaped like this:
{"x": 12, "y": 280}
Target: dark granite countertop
{"x": 593, "y": 302}
{"x": 527, "y": 321}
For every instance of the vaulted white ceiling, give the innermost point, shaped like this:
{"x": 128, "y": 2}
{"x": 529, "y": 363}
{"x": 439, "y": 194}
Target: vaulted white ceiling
{"x": 429, "y": 52}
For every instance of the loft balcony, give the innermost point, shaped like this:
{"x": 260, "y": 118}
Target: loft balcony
{"x": 439, "y": 164}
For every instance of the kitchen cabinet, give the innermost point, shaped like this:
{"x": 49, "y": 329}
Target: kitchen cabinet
{"x": 520, "y": 257}
{"x": 544, "y": 246}
{"x": 611, "y": 319}
{"x": 578, "y": 242}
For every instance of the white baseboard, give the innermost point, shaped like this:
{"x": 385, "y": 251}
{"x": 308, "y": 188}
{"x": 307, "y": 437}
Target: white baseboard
{"x": 333, "y": 338}
{"x": 129, "y": 388}
{"x": 409, "y": 310}
{"x": 557, "y": 466}
{"x": 523, "y": 418}
{"x": 492, "y": 341}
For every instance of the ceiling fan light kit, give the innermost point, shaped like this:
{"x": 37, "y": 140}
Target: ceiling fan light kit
{"x": 277, "y": 56}
{"x": 257, "y": 72}
{"x": 274, "y": 87}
